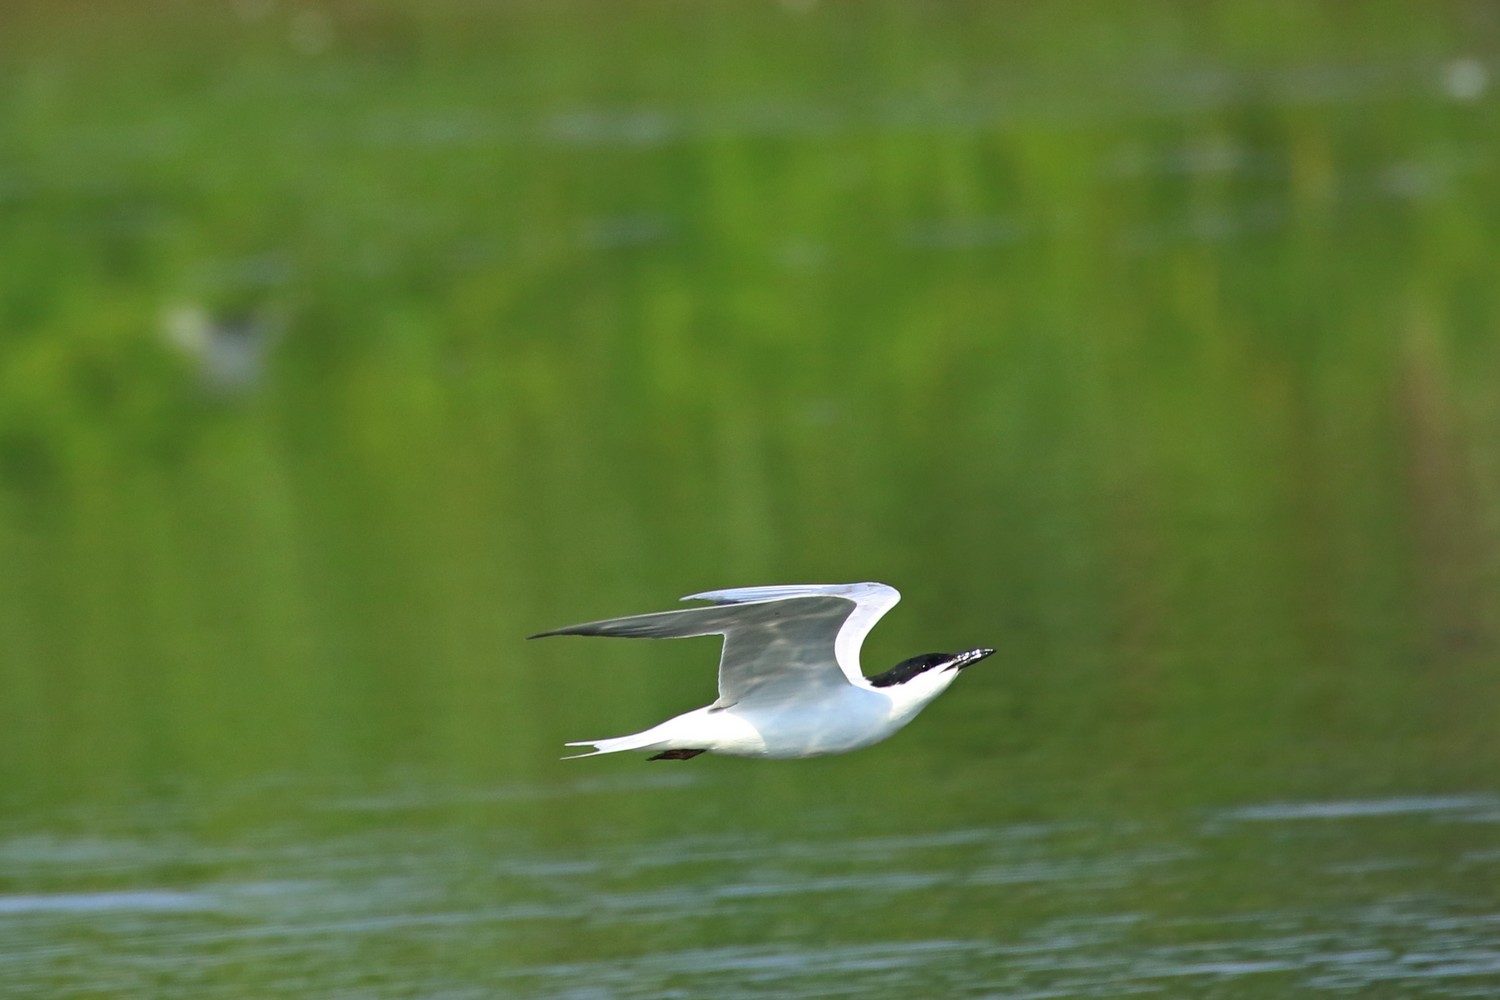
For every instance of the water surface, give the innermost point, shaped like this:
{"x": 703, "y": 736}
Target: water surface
{"x": 1363, "y": 897}
{"x": 1158, "y": 348}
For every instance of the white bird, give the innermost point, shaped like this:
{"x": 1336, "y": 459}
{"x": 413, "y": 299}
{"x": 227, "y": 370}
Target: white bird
{"x": 790, "y": 684}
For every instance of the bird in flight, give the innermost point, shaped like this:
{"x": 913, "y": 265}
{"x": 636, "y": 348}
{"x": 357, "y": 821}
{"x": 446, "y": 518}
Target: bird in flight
{"x": 790, "y": 684}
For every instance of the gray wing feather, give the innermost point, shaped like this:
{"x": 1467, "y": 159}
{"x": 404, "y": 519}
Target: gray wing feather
{"x": 777, "y": 647}
{"x": 749, "y": 595}
{"x": 661, "y": 625}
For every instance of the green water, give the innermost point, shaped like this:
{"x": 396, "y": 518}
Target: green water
{"x": 343, "y": 346}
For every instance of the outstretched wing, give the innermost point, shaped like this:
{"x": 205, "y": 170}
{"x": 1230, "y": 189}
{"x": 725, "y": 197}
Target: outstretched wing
{"x": 871, "y": 602}
{"x": 778, "y": 641}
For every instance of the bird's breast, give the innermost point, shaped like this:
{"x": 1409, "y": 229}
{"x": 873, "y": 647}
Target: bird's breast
{"x": 848, "y": 720}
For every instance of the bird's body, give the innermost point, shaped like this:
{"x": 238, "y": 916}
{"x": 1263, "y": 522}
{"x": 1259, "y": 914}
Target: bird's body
{"x": 790, "y": 684}
{"x": 836, "y": 723}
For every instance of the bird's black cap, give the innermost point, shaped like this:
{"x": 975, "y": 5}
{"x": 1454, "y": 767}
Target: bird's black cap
{"x": 909, "y": 668}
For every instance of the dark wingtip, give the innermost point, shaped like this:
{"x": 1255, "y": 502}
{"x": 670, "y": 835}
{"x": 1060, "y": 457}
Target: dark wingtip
{"x": 565, "y": 630}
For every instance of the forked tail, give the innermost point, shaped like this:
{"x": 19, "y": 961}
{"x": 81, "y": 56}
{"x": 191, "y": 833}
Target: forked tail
{"x": 636, "y": 741}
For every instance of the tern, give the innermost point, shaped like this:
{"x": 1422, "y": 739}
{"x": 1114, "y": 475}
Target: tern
{"x": 790, "y": 683}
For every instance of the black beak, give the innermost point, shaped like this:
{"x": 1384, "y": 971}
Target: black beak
{"x": 968, "y": 658}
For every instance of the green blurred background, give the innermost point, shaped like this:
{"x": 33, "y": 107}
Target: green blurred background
{"x": 342, "y": 344}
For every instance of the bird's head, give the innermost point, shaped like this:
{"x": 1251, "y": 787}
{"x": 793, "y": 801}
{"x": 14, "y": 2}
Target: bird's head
{"x": 929, "y": 670}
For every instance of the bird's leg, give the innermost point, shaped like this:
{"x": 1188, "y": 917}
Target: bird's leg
{"x": 676, "y": 755}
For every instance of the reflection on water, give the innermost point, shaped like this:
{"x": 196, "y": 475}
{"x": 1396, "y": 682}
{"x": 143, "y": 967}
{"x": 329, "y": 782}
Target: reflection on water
{"x": 1080, "y": 909}
{"x": 1476, "y": 807}
{"x": 1155, "y": 351}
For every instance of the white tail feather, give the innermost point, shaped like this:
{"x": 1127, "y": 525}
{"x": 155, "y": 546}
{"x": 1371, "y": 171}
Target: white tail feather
{"x": 638, "y": 741}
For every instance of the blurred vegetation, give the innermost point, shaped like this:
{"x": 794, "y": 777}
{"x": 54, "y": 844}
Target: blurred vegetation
{"x": 342, "y": 344}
